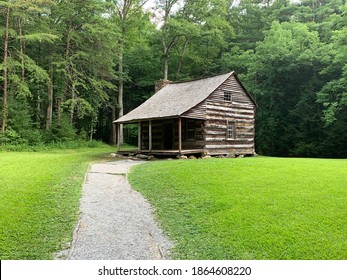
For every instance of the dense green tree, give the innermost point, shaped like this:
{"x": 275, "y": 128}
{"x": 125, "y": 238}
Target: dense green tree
{"x": 319, "y": 14}
{"x": 69, "y": 66}
{"x": 212, "y": 35}
{"x": 22, "y": 76}
{"x": 132, "y": 49}
{"x": 194, "y": 38}
{"x": 284, "y": 75}
{"x": 249, "y": 20}
{"x": 83, "y": 71}
{"x": 171, "y": 31}
{"x": 5, "y": 69}
{"x": 333, "y": 95}
{"x": 125, "y": 12}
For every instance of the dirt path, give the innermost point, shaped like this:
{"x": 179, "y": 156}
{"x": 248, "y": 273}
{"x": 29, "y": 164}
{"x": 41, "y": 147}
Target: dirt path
{"x": 116, "y": 222}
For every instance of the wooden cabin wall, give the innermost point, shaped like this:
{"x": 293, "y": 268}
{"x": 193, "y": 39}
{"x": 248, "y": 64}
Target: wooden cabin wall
{"x": 241, "y": 111}
{"x": 194, "y": 143}
{"x": 158, "y": 134}
{"x": 198, "y": 112}
{"x": 144, "y": 136}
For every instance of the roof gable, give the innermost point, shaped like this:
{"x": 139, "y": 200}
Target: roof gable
{"x": 175, "y": 99}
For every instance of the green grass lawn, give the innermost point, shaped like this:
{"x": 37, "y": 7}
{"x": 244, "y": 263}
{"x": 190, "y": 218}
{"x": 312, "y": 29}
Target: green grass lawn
{"x": 250, "y": 208}
{"x": 39, "y": 194}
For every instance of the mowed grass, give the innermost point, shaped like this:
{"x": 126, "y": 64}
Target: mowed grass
{"x": 249, "y": 208}
{"x": 39, "y": 195}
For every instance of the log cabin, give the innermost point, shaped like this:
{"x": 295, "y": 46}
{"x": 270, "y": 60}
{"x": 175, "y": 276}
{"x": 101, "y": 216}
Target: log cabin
{"x": 210, "y": 116}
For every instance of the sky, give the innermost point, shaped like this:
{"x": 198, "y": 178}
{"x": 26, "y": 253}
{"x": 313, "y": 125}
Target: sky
{"x": 149, "y": 4}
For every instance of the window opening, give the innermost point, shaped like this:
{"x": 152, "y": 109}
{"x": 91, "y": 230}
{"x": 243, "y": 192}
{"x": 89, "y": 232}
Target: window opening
{"x": 231, "y": 130}
{"x": 227, "y": 96}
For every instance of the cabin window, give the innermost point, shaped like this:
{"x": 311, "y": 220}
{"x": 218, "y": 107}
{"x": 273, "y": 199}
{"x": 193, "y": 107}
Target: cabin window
{"x": 190, "y": 129}
{"x": 227, "y": 96}
{"x": 231, "y": 132}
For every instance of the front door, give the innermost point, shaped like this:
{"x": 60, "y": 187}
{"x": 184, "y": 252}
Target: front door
{"x": 167, "y": 136}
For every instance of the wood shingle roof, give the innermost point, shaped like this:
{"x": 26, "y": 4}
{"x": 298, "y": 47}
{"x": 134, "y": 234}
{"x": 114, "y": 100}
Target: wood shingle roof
{"x": 175, "y": 99}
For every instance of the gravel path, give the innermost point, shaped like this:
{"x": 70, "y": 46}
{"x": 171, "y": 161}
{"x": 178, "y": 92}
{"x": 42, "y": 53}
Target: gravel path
{"x": 116, "y": 222}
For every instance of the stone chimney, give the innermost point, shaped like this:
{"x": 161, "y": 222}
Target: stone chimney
{"x": 160, "y": 84}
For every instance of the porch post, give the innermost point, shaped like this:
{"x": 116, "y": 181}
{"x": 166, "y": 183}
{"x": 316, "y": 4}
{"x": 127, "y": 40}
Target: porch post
{"x": 150, "y": 135}
{"x": 139, "y": 137}
{"x": 118, "y": 137}
{"x": 180, "y": 135}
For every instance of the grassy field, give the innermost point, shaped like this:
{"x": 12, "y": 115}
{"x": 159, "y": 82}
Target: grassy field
{"x": 39, "y": 194}
{"x": 250, "y": 208}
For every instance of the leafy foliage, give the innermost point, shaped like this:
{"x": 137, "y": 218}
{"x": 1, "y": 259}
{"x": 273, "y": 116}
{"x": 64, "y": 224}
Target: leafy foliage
{"x": 75, "y": 65}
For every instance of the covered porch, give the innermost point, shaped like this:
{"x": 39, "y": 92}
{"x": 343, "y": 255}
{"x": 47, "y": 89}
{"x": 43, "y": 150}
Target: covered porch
{"x": 169, "y": 137}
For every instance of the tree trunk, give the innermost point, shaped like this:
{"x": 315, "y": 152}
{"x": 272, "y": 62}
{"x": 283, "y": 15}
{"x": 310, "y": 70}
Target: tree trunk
{"x": 38, "y": 109}
{"x": 91, "y": 130}
{"x": 166, "y": 46}
{"x": 72, "y": 109}
{"x": 113, "y": 118}
{"x": 59, "y": 111}
{"x": 68, "y": 77}
{"x": 166, "y": 60}
{"x": 166, "y": 67}
{"x": 121, "y": 86}
{"x": 49, "y": 114}
{"x": 21, "y": 43}
{"x": 4, "y": 99}
{"x": 68, "y": 38}
{"x": 180, "y": 64}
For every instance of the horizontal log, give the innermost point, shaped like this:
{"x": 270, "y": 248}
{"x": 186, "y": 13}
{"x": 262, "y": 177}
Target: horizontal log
{"x": 236, "y": 140}
{"x": 216, "y": 139}
{"x": 216, "y": 132}
{"x": 245, "y": 135}
{"x": 211, "y": 108}
{"x": 242, "y": 146}
{"x": 245, "y": 128}
{"x": 230, "y": 151}
{"x": 223, "y": 110}
{"x": 222, "y": 121}
{"x": 210, "y": 127}
{"x": 235, "y": 104}
{"x": 232, "y": 142}
{"x": 245, "y": 123}
{"x": 235, "y": 101}
{"x": 228, "y": 117}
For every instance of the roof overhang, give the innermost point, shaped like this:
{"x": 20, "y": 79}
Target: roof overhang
{"x": 155, "y": 119}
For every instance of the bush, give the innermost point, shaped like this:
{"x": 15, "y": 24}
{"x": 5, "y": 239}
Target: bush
{"x": 61, "y": 132}
{"x": 77, "y": 144}
{"x": 11, "y": 137}
{"x": 305, "y": 150}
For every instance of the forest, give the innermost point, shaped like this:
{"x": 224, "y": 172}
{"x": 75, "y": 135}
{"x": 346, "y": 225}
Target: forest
{"x": 70, "y": 67}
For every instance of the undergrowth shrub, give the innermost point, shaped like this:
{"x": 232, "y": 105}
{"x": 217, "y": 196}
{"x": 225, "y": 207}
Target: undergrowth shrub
{"x": 76, "y": 144}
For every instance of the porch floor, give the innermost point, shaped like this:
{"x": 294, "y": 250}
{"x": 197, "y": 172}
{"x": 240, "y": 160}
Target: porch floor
{"x": 164, "y": 152}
